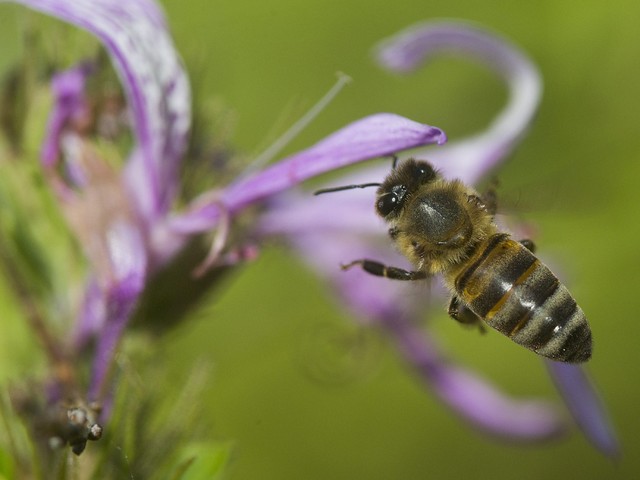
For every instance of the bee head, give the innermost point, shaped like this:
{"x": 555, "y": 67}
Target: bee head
{"x": 400, "y": 184}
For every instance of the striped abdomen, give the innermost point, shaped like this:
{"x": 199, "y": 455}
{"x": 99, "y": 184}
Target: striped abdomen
{"x": 513, "y": 292}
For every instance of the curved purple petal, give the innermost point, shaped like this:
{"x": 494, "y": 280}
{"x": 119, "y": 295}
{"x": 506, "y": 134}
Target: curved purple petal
{"x": 136, "y": 36}
{"x": 92, "y": 314}
{"x": 585, "y": 406}
{"x": 120, "y": 301}
{"x": 115, "y": 245}
{"x": 374, "y": 136}
{"x": 470, "y": 158}
{"x": 473, "y": 398}
{"x": 119, "y": 296}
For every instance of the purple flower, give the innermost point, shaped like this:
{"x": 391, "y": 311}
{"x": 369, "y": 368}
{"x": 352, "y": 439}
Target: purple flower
{"x": 123, "y": 218}
{"x": 128, "y": 226}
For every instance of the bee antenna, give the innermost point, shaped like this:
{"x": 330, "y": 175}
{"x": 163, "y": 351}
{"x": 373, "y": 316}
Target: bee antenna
{"x": 345, "y": 187}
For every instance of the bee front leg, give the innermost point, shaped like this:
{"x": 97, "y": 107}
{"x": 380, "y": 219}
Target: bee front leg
{"x": 489, "y": 200}
{"x": 380, "y": 270}
{"x": 460, "y": 313}
{"x": 491, "y": 197}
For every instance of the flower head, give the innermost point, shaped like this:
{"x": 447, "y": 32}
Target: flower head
{"x": 130, "y": 229}
{"x": 125, "y": 218}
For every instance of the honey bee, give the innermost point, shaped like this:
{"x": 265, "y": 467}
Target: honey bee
{"x": 445, "y": 227}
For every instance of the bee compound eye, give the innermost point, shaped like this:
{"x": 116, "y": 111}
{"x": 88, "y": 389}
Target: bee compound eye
{"x": 425, "y": 172}
{"x": 387, "y": 203}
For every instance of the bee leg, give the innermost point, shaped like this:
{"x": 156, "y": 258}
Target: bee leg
{"x": 460, "y": 313}
{"x": 380, "y": 270}
{"x": 529, "y": 245}
{"x": 477, "y": 201}
{"x": 486, "y": 203}
{"x": 489, "y": 200}
{"x": 491, "y": 197}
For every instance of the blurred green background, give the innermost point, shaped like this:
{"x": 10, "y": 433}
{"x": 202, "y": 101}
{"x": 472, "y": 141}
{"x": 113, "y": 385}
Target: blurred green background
{"x": 574, "y": 177}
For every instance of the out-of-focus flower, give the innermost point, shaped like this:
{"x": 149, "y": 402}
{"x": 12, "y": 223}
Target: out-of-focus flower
{"x": 128, "y": 225}
{"x": 333, "y": 229}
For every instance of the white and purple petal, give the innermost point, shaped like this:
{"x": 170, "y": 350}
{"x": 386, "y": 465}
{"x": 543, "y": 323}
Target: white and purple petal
{"x": 136, "y": 36}
{"x": 470, "y": 158}
{"x": 129, "y": 257}
{"x": 110, "y": 297}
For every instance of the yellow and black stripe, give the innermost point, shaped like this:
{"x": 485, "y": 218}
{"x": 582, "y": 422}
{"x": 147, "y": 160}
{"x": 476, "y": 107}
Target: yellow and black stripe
{"x": 515, "y": 293}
